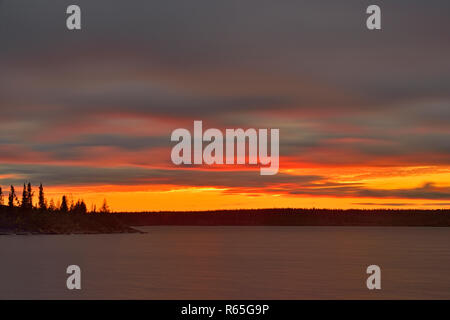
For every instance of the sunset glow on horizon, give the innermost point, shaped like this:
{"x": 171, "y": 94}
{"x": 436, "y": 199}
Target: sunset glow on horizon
{"x": 363, "y": 117}
{"x": 157, "y": 197}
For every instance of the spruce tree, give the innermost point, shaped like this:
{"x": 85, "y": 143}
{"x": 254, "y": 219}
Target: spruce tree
{"x": 24, "y": 197}
{"x": 29, "y": 196}
{"x": 52, "y": 206}
{"x": 79, "y": 207}
{"x": 104, "y": 208}
{"x": 12, "y": 197}
{"x": 64, "y": 207}
{"x": 83, "y": 207}
{"x": 42, "y": 204}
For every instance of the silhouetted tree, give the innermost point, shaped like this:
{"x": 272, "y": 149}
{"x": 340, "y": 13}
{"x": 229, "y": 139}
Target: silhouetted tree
{"x": 72, "y": 204}
{"x": 104, "y": 208}
{"x": 42, "y": 203}
{"x": 64, "y": 207}
{"x": 27, "y": 197}
{"x": 12, "y": 197}
{"x": 82, "y": 207}
{"x": 79, "y": 207}
{"x": 24, "y": 197}
{"x": 30, "y": 195}
{"x": 52, "y": 206}
{"x": 1, "y": 196}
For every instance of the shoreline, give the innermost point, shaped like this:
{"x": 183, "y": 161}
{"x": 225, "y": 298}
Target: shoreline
{"x": 129, "y": 230}
{"x": 33, "y": 222}
{"x": 136, "y": 230}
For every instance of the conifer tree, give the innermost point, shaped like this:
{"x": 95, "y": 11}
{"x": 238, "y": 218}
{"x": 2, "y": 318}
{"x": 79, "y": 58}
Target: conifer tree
{"x": 80, "y": 207}
{"x": 24, "y": 197}
{"x": 64, "y": 207}
{"x": 30, "y": 195}
{"x": 12, "y": 197}
{"x": 42, "y": 203}
{"x": 52, "y": 206}
{"x": 104, "y": 208}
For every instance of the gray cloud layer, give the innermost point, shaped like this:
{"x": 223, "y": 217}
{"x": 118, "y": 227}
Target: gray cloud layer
{"x": 237, "y": 181}
{"x": 308, "y": 68}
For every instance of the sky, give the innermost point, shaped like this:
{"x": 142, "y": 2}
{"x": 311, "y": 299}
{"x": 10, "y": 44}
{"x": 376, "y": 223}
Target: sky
{"x": 363, "y": 115}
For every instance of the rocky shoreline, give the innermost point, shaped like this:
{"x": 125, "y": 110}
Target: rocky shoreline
{"x": 34, "y": 222}
{"x": 4, "y": 232}
{"x": 17, "y": 222}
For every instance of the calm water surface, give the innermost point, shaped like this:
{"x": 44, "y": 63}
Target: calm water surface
{"x": 230, "y": 263}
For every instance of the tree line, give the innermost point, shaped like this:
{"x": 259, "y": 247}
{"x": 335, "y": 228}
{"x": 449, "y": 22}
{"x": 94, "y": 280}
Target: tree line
{"x": 26, "y": 203}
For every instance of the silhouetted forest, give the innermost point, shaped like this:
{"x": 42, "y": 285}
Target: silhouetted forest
{"x": 25, "y": 215}
{"x": 292, "y": 217}
{"x": 26, "y": 202}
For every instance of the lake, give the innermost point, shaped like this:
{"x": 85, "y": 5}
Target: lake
{"x": 230, "y": 263}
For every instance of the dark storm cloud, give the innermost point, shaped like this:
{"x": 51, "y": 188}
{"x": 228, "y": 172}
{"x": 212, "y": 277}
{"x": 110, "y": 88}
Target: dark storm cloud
{"x": 390, "y": 204}
{"x": 105, "y": 140}
{"x": 138, "y": 102}
{"x": 427, "y": 191}
{"x": 237, "y": 181}
{"x": 299, "y": 41}
{"x": 400, "y": 204}
{"x": 230, "y": 62}
{"x": 83, "y": 175}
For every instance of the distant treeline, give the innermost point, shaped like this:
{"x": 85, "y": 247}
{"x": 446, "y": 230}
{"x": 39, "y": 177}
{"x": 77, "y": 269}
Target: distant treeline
{"x": 292, "y": 217}
{"x": 26, "y": 202}
{"x": 23, "y": 216}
